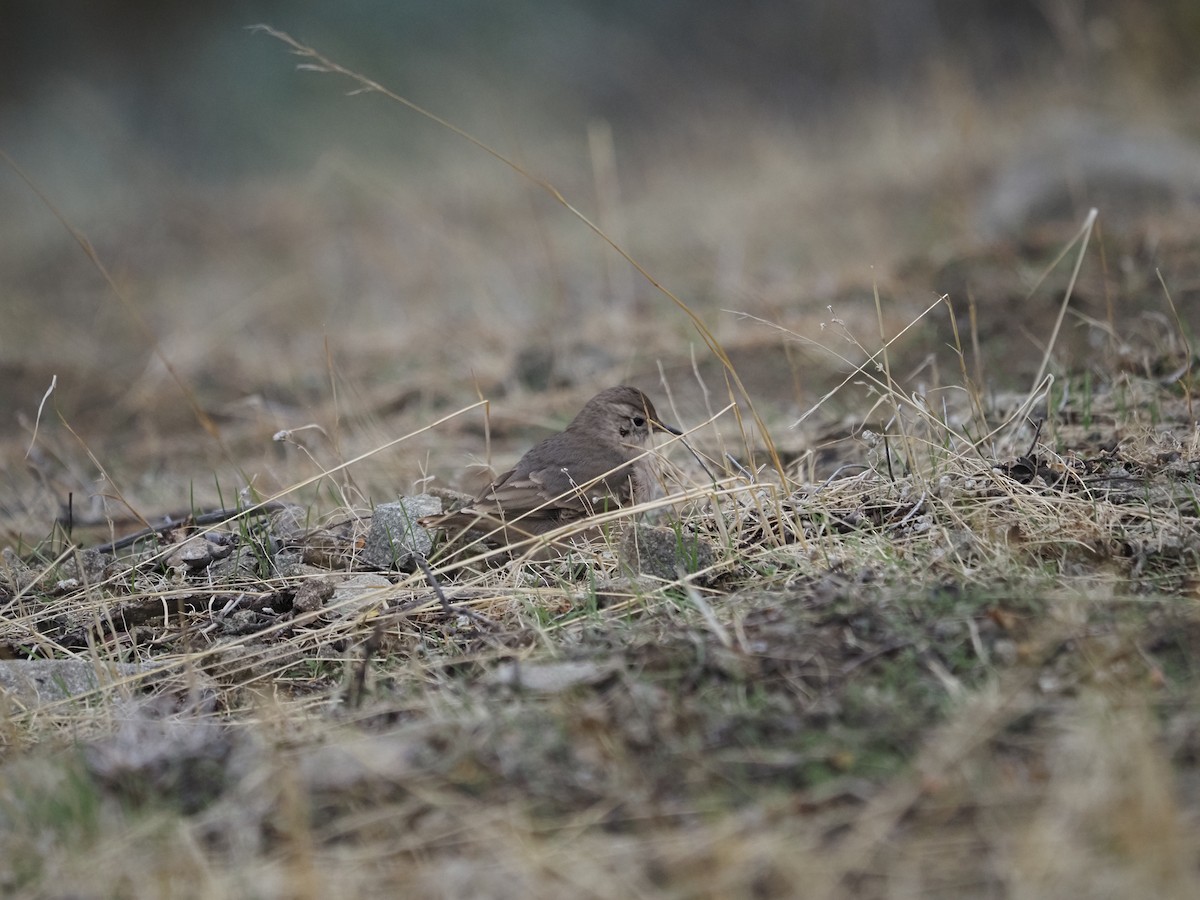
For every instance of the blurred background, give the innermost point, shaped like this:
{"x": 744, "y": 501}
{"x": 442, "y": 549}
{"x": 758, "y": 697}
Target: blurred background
{"x": 214, "y": 100}
{"x": 285, "y": 253}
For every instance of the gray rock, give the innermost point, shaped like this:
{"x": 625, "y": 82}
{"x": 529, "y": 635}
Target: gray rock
{"x": 88, "y": 566}
{"x": 36, "y": 681}
{"x": 195, "y": 553}
{"x": 395, "y": 536}
{"x": 312, "y": 594}
{"x": 662, "y": 552}
{"x": 183, "y": 757}
{"x": 550, "y": 677}
{"x": 291, "y": 524}
{"x": 1074, "y": 162}
{"x": 357, "y": 594}
{"x": 14, "y": 572}
{"x": 365, "y": 762}
{"x": 242, "y": 564}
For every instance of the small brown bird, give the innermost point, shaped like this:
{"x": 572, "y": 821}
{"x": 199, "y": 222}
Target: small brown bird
{"x": 598, "y": 462}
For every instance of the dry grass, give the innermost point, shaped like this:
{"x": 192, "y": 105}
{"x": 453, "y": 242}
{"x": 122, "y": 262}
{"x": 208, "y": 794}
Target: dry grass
{"x": 939, "y": 641}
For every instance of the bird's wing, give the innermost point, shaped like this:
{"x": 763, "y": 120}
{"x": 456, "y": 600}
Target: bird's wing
{"x": 557, "y": 491}
{"x": 514, "y": 495}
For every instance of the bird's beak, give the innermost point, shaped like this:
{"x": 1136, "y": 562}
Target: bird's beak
{"x": 667, "y": 428}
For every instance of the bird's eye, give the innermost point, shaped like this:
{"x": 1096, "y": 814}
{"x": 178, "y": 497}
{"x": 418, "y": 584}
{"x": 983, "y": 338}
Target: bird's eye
{"x": 638, "y": 421}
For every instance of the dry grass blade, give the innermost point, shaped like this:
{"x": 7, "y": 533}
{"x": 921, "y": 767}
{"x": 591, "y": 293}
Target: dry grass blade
{"x": 129, "y": 307}
{"x": 323, "y": 64}
{"x": 1083, "y": 237}
{"x": 38, "y": 420}
{"x": 1186, "y": 373}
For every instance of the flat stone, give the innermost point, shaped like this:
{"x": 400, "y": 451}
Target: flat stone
{"x": 194, "y": 553}
{"x": 367, "y": 762}
{"x": 549, "y": 677}
{"x": 37, "y": 681}
{"x": 358, "y": 594}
